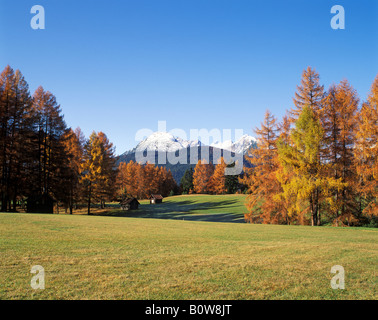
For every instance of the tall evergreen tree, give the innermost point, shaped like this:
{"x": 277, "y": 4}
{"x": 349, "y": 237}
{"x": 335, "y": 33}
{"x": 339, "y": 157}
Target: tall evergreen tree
{"x": 186, "y": 182}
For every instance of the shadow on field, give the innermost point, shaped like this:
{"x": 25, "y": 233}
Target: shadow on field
{"x": 214, "y": 211}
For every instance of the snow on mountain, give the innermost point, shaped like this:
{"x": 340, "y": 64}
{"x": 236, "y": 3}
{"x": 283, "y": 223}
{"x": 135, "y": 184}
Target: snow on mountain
{"x": 166, "y": 142}
{"x": 240, "y": 146}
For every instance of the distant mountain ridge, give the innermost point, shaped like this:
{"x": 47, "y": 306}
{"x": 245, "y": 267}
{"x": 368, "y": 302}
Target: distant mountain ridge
{"x": 163, "y": 141}
{"x": 166, "y": 142}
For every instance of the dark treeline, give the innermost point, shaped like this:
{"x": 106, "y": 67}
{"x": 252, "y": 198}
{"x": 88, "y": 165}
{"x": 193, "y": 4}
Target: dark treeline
{"x": 40, "y": 156}
{"x": 33, "y": 157}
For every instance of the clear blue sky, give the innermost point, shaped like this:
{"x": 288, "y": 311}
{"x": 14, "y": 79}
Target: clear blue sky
{"x": 119, "y": 66}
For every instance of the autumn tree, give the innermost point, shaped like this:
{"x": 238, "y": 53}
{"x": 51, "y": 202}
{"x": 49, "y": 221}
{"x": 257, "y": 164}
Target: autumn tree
{"x": 106, "y": 186}
{"x": 202, "y": 176}
{"x": 122, "y": 180}
{"x": 15, "y": 132}
{"x": 217, "y": 183}
{"x": 166, "y": 184}
{"x": 309, "y": 93}
{"x": 74, "y": 150}
{"x": 338, "y": 118}
{"x": 98, "y": 169}
{"x": 51, "y": 161}
{"x": 260, "y": 178}
{"x": 366, "y": 153}
{"x": 307, "y": 185}
{"x": 91, "y": 168}
{"x": 140, "y": 181}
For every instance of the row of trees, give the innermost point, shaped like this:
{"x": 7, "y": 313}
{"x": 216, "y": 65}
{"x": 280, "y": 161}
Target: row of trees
{"x": 320, "y": 163}
{"x": 209, "y": 179}
{"x": 140, "y": 181}
{"x": 32, "y": 133}
{"x": 40, "y": 155}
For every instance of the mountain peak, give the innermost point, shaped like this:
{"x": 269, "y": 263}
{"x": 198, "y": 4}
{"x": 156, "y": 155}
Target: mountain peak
{"x": 167, "y": 142}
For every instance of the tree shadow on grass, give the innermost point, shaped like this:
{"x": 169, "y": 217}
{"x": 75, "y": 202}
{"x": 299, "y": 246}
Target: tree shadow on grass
{"x": 213, "y": 211}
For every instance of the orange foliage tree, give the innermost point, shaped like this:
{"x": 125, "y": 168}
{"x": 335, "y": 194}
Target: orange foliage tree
{"x": 310, "y": 93}
{"x": 366, "y": 153}
{"x": 203, "y": 172}
{"x": 261, "y": 177}
{"x": 140, "y": 181}
{"x": 217, "y": 183}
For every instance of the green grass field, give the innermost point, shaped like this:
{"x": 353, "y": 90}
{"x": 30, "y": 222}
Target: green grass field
{"x": 222, "y": 208}
{"x": 110, "y": 257}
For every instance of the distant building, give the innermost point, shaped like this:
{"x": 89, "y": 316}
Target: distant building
{"x": 40, "y": 204}
{"x": 129, "y": 204}
{"x": 156, "y": 198}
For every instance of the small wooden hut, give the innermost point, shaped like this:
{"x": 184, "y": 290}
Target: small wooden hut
{"x": 129, "y": 204}
{"x": 156, "y": 198}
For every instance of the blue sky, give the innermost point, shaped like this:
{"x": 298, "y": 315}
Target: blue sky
{"x": 120, "y": 66}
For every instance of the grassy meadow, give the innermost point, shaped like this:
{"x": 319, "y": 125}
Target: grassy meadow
{"x": 189, "y": 255}
{"x": 219, "y": 208}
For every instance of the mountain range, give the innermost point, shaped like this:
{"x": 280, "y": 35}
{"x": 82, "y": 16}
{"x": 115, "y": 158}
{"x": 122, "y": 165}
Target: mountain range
{"x": 166, "y": 142}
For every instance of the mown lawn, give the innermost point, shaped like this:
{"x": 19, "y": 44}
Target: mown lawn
{"x": 104, "y": 257}
{"x": 220, "y": 208}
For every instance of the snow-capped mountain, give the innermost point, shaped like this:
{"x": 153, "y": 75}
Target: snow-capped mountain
{"x": 166, "y": 142}
{"x": 240, "y": 146}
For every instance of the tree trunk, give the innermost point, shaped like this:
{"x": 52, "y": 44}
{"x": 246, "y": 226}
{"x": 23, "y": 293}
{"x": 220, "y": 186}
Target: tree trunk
{"x": 89, "y": 200}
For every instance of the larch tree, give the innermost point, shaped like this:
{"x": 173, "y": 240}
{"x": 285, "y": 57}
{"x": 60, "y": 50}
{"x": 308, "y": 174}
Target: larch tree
{"x": 106, "y": 186}
{"x": 260, "y": 178}
{"x": 217, "y": 183}
{"x": 203, "y": 172}
{"x": 122, "y": 180}
{"x": 140, "y": 181}
{"x": 16, "y": 129}
{"x": 166, "y": 183}
{"x": 366, "y": 153}
{"x": 51, "y": 162}
{"x": 301, "y": 159}
{"x": 338, "y": 117}
{"x": 92, "y": 169}
{"x": 310, "y": 93}
{"x": 74, "y": 147}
